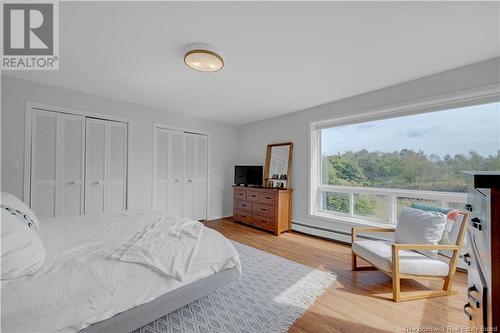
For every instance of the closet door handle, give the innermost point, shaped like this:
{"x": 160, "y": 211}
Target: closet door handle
{"x": 95, "y": 182}
{"x": 176, "y": 180}
{"x": 71, "y": 182}
{"x": 190, "y": 180}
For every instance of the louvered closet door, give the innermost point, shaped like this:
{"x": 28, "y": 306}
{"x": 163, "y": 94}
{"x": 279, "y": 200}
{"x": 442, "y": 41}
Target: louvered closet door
{"x": 200, "y": 195}
{"x": 116, "y": 188}
{"x": 162, "y": 169}
{"x": 167, "y": 176}
{"x": 189, "y": 189}
{"x": 95, "y": 166}
{"x": 56, "y": 164}
{"x": 73, "y": 138}
{"x": 175, "y": 160}
{"x": 106, "y": 166}
{"x": 194, "y": 203}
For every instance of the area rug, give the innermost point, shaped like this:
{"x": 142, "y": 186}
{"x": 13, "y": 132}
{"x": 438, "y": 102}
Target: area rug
{"x": 272, "y": 293}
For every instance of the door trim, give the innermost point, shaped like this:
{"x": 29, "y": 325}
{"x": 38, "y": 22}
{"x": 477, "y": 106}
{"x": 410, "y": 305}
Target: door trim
{"x": 183, "y": 130}
{"x": 31, "y": 106}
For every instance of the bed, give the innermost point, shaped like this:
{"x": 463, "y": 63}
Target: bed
{"x": 80, "y": 288}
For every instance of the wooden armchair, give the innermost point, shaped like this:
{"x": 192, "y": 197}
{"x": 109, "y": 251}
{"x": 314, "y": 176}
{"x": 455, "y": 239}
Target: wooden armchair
{"x": 401, "y": 261}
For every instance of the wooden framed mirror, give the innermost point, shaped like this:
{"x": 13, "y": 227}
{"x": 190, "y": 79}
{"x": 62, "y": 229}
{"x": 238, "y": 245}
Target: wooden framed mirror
{"x": 277, "y": 172}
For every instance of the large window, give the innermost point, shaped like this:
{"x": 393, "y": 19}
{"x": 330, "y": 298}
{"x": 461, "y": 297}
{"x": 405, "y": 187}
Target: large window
{"x": 370, "y": 170}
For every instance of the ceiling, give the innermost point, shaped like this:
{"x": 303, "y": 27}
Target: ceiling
{"x": 279, "y": 57}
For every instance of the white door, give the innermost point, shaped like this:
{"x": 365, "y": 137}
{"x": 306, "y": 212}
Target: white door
{"x": 167, "y": 171}
{"x": 194, "y": 203}
{"x": 56, "y": 187}
{"x": 189, "y": 189}
{"x": 106, "y": 165}
{"x": 180, "y": 173}
{"x": 200, "y": 196}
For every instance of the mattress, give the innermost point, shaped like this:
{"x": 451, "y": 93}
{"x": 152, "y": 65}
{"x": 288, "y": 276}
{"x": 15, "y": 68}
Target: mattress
{"x": 79, "y": 285}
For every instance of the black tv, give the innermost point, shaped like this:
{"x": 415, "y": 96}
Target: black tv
{"x": 248, "y": 175}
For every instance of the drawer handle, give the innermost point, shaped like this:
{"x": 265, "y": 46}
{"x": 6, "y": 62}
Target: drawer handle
{"x": 264, "y": 209}
{"x": 472, "y": 298}
{"x": 263, "y": 221}
{"x": 243, "y": 205}
{"x": 267, "y": 197}
{"x": 467, "y": 313}
{"x": 243, "y": 216}
{"x": 466, "y": 258}
{"x": 468, "y": 207}
{"x": 476, "y": 223}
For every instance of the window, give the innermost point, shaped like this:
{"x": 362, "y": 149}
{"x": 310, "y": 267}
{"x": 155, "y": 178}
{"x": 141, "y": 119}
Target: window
{"x": 371, "y": 170}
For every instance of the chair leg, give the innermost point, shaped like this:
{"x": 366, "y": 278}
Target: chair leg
{"x": 447, "y": 284}
{"x": 354, "y": 262}
{"x": 396, "y": 287}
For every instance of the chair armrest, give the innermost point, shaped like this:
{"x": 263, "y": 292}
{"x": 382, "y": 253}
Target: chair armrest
{"x": 425, "y": 247}
{"x": 354, "y": 232}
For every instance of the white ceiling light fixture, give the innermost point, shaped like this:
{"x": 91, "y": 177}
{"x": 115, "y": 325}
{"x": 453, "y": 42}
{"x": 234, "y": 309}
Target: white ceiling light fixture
{"x": 203, "y": 58}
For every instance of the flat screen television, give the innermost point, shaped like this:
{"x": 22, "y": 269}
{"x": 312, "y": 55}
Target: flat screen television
{"x": 248, "y": 175}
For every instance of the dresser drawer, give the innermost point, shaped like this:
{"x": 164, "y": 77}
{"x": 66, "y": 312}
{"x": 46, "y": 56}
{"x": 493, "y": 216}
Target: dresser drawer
{"x": 243, "y": 218}
{"x": 253, "y": 195}
{"x": 266, "y": 223}
{"x": 267, "y": 198}
{"x": 244, "y": 206}
{"x": 240, "y": 194}
{"x": 263, "y": 210}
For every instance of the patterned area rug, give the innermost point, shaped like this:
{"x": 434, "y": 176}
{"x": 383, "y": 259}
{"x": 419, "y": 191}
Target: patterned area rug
{"x": 272, "y": 293}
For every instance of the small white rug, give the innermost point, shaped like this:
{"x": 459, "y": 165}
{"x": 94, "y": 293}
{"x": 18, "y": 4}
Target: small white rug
{"x": 272, "y": 294}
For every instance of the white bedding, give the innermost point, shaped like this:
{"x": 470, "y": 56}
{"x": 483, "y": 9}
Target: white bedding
{"x": 79, "y": 284}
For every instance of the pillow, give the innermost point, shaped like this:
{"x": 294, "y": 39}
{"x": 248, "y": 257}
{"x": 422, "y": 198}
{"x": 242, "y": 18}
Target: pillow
{"x": 451, "y": 230}
{"x": 11, "y": 201}
{"x": 417, "y": 226}
{"x": 22, "y": 251}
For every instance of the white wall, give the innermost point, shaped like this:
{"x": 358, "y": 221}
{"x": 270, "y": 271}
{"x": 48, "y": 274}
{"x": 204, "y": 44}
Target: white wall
{"x": 294, "y": 127}
{"x": 16, "y": 92}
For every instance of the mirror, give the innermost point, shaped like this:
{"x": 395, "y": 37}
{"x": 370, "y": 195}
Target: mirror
{"x": 278, "y": 165}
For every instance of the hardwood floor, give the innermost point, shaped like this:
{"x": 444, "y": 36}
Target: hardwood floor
{"x": 358, "y": 301}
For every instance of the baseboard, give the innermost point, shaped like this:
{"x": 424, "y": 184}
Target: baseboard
{"x": 218, "y": 217}
{"x": 335, "y": 235}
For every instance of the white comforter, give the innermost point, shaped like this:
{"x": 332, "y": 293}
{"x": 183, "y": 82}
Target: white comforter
{"x": 79, "y": 284}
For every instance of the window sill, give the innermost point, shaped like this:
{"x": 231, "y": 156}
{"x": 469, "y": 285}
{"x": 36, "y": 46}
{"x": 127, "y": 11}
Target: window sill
{"x": 348, "y": 220}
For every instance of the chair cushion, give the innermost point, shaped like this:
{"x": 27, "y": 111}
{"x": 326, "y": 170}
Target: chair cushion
{"x": 379, "y": 253}
{"x": 417, "y": 226}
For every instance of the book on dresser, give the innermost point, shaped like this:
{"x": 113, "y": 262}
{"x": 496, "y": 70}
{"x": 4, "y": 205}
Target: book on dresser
{"x": 483, "y": 252}
{"x": 264, "y": 208}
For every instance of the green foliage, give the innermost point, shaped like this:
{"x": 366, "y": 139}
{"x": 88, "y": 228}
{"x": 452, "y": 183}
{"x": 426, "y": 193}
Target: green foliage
{"x": 338, "y": 202}
{"x": 405, "y": 169}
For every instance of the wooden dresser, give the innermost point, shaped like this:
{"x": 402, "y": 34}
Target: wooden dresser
{"x": 483, "y": 252}
{"x": 265, "y": 208}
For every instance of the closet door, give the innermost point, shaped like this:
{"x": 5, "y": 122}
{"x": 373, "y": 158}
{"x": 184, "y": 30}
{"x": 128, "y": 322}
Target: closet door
{"x": 116, "y": 179}
{"x": 200, "y": 196}
{"x": 161, "y": 169}
{"x": 176, "y": 173}
{"x": 56, "y": 163}
{"x": 95, "y": 166}
{"x": 106, "y": 166}
{"x": 72, "y": 166}
{"x": 167, "y": 177}
{"x": 43, "y": 163}
{"x": 194, "y": 203}
{"x": 188, "y": 190}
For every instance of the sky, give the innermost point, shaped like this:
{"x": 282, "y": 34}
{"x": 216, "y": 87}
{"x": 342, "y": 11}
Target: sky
{"x": 454, "y": 131}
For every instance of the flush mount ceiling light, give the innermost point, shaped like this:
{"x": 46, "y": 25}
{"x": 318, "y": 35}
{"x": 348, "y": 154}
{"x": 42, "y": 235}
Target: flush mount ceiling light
{"x": 203, "y": 57}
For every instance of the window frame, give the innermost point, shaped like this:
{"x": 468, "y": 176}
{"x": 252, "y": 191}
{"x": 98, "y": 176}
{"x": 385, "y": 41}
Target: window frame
{"x": 477, "y": 96}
